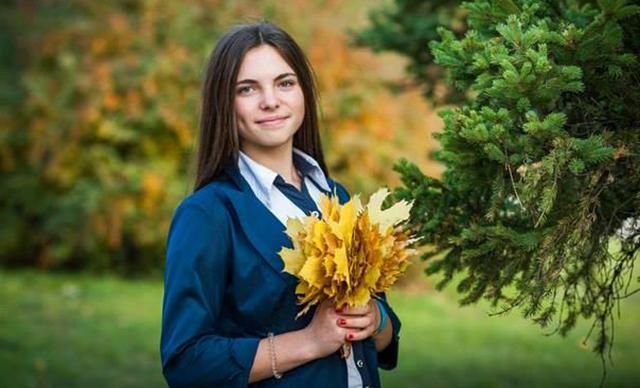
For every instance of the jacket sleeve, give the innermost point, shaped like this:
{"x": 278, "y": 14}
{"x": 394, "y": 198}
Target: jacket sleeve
{"x": 388, "y": 357}
{"x": 197, "y": 263}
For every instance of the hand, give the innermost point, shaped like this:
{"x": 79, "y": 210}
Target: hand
{"x": 360, "y": 322}
{"x": 324, "y": 330}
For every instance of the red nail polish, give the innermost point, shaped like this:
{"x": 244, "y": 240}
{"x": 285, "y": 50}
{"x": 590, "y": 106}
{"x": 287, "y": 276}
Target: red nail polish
{"x": 349, "y": 336}
{"x": 342, "y": 321}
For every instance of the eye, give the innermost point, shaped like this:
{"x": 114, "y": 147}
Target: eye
{"x": 245, "y": 90}
{"x": 287, "y": 83}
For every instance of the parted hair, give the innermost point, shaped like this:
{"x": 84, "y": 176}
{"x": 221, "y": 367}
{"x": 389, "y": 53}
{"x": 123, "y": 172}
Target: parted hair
{"x": 218, "y": 139}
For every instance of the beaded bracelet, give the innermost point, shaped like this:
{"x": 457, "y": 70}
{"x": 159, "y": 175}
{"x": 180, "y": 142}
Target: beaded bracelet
{"x": 272, "y": 353}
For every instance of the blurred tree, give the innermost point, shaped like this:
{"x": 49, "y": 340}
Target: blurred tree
{"x": 407, "y": 27}
{"x": 540, "y": 201}
{"x": 99, "y": 111}
{"x": 96, "y": 152}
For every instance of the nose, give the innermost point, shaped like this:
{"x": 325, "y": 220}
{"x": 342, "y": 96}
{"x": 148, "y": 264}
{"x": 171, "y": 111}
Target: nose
{"x": 269, "y": 100}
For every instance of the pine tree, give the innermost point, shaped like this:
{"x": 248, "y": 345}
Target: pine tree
{"x": 408, "y": 28}
{"x": 539, "y": 207}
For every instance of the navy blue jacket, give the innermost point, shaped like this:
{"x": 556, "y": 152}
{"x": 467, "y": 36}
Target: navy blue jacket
{"x": 225, "y": 289}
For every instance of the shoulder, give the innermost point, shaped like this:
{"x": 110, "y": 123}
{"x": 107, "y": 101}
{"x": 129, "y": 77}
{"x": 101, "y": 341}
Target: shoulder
{"x": 209, "y": 202}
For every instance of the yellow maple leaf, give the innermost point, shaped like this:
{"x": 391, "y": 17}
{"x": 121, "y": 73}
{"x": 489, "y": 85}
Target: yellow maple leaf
{"x": 293, "y": 260}
{"x": 385, "y": 218}
{"x": 312, "y": 271}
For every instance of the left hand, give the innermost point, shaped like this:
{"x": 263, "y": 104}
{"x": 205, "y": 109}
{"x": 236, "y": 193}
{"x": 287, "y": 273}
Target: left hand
{"x": 361, "y": 321}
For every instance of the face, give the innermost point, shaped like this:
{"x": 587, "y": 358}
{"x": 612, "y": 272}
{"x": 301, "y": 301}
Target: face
{"x": 269, "y": 102}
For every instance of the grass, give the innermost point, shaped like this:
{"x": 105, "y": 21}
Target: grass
{"x": 83, "y": 330}
{"x": 444, "y": 345}
{"x": 78, "y": 331}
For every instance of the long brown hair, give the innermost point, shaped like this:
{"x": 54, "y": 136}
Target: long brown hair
{"x": 218, "y": 142}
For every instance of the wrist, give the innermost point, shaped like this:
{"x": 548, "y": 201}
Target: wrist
{"x": 310, "y": 348}
{"x": 382, "y": 318}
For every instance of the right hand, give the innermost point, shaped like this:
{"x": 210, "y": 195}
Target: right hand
{"x": 324, "y": 330}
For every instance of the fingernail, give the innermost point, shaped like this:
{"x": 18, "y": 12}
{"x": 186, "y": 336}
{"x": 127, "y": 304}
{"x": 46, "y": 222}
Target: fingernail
{"x": 341, "y": 321}
{"x": 339, "y": 310}
{"x": 349, "y": 336}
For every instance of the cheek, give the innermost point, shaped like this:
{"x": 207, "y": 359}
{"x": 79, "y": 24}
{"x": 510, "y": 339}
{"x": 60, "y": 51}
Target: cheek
{"x": 242, "y": 120}
{"x": 298, "y": 103}
{"x": 243, "y": 110}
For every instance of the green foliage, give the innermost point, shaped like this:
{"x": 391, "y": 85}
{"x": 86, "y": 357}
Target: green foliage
{"x": 407, "y": 27}
{"x": 542, "y": 185}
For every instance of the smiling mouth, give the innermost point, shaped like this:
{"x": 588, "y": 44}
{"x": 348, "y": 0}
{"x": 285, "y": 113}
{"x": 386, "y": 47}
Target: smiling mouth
{"x": 272, "y": 120}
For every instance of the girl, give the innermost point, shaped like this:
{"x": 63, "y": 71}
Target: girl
{"x": 229, "y": 309}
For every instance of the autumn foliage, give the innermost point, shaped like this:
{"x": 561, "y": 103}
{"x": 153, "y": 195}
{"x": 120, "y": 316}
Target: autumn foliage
{"x": 100, "y": 115}
{"x": 350, "y": 253}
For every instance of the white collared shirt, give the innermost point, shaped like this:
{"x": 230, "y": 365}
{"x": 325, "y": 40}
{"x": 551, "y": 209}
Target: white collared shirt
{"x": 261, "y": 181}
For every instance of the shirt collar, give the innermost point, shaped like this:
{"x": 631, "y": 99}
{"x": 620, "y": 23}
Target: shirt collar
{"x": 308, "y": 166}
{"x": 261, "y": 179}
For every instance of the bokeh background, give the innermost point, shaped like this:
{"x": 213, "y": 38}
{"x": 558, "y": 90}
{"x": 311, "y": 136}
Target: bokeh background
{"x": 98, "y": 116}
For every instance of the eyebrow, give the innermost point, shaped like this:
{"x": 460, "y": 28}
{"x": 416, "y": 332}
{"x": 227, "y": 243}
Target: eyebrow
{"x": 252, "y": 81}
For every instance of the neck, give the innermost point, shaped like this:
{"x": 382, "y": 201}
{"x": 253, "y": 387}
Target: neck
{"x": 279, "y": 160}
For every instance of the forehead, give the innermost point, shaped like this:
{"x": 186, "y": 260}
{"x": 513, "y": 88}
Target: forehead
{"x": 263, "y": 63}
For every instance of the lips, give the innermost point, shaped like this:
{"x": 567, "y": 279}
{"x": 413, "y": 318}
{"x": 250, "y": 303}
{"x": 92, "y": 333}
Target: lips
{"x": 272, "y": 120}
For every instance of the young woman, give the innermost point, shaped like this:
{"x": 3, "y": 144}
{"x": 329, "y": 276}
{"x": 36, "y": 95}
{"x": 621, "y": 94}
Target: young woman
{"x": 229, "y": 309}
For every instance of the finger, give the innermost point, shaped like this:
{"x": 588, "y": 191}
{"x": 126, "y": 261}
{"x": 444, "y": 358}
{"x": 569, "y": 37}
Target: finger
{"x": 356, "y": 322}
{"x": 355, "y": 310}
{"x": 358, "y": 335}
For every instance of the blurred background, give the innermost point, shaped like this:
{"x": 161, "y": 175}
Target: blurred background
{"x": 98, "y": 116}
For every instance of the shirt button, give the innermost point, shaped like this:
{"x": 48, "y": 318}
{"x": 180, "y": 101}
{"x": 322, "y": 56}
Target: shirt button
{"x": 360, "y": 363}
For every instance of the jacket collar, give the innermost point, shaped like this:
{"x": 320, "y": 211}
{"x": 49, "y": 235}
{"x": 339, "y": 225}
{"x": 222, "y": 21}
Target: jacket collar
{"x": 263, "y": 229}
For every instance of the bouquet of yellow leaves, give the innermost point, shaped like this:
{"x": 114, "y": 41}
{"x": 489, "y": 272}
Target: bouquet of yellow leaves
{"x": 349, "y": 254}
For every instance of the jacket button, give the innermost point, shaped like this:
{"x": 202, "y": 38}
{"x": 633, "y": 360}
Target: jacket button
{"x": 360, "y": 363}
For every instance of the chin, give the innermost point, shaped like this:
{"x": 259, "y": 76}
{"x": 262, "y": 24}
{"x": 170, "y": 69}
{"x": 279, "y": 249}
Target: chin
{"x": 276, "y": 139}
{"x": 270, "y": 142}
